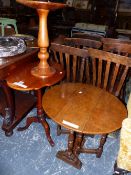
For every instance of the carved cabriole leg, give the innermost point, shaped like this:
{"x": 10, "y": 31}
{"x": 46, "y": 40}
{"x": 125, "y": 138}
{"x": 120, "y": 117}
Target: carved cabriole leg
{"x": 29, "y": 121}
{"x": 68, "y": 155}
{"x": 10, "y": 104}
{"x": 42, "y": 120}
{"x": 102, "y": 142}
{"x": 39, "y": 119}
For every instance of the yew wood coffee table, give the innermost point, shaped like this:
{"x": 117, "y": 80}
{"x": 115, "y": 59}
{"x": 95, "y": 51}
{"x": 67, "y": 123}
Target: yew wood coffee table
{"x": 83, "y": 109}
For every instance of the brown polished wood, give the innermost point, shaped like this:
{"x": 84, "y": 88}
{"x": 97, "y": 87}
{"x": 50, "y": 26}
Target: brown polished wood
{"x": 8, "y": 64}
{"x": 30, "y": 82}
{"x": 80, "y": 104}
{"x": 88, "y": 110}
{"x": 43, "y": 69}
{"x": 94, "y": 67}
{"x": 121, "y": 47}
{"x": 8, "y": 98}
{"x": 78, "y": 43}
{"x": 102, "y": 69}
{"x": 118, "y": 46}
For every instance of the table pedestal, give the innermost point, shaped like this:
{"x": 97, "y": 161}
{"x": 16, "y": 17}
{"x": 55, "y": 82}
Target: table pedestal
{"x": 39, "y": 119}
{"x": 76, "y": 146}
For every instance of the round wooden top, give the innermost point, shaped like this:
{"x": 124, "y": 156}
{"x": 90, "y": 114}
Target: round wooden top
{"x": 84, "y": 108}
{"x": 42, "y": 4}
{"x": 22, "y": 79}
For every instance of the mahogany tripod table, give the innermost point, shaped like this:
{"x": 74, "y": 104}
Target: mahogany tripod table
{"x": 83, "y": 109}
{"x": 23, "y": 80}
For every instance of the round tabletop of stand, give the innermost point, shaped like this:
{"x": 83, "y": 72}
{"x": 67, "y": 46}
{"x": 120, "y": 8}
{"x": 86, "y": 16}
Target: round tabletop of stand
{"x": 39, "y": 4}
{"x": 84, "y": 108}
{"x": 22, "y": 79}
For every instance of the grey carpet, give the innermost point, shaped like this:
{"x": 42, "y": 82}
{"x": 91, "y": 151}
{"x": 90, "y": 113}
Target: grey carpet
{"x": 29, "y": 153}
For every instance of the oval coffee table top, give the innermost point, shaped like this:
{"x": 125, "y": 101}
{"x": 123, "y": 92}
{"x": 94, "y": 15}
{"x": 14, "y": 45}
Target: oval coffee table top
{"x": 84, "y": 108}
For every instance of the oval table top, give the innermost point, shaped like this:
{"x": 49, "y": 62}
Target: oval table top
{"x": 84, "y": 108}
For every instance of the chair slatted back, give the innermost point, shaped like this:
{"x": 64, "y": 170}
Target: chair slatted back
{"x": 72, "y": 59}
{"x": 109, "y": 70}
{"x": 100, "y": 68}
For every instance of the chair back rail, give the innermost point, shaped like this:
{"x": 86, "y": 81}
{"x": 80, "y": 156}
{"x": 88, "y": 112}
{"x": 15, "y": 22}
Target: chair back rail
{"x": 121, "y": 47}
{"x": 82, "y": 43}
{"x": 100, "y": 68}
{"x": 91, "y": 36}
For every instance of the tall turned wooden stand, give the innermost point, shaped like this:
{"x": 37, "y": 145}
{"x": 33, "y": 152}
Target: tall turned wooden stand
{"x": 43, "y": 69}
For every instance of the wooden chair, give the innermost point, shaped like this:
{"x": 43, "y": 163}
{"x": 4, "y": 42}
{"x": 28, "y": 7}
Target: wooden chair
{"x": 82, "y": 43}
{"x": 88, "y": 36}
{"x": 121, "y": 47}
{"x": 92, "y": 66}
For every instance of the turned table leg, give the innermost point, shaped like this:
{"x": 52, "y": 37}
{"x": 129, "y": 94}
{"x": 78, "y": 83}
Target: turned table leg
{"x": 70, "y": 156}
{"x": 102, "y": 142}
{"x": 10, "y": 106}
{"x": 78, "y": 143}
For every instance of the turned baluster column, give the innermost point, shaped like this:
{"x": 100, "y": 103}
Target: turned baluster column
{"x": 43, "y": 69}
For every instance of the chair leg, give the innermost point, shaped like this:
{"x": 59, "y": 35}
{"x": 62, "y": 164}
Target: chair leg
{"x": 102, "y": 142}
{"x": 3, "y": 29}
{"x": 61, "y": 131}
{"x": 58, "y": 130}
{"x": 16, "y": 30}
